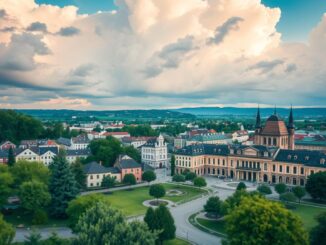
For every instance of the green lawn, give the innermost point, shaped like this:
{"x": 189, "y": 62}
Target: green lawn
{"x": 176, "y": 241}
{"x": 308, "y": 214}
{"x": 130, "y": 202}
{"x": 215, "y": 225}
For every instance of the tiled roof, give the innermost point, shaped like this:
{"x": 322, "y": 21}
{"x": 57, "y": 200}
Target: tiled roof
{"x": 64, "y": 141}
{"x": 43, "y": 150}
{"x": 208, "y": 137}
{"x": 306, "y": 157}
{"x": 274, "y": 126}
{"x": 81, "y": 152}
{"x": 81, "y": 139}
{"x": 95, "y": 168}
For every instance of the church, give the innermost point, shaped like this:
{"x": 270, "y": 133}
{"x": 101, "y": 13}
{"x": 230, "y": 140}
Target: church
{"x": 271, "y": 159}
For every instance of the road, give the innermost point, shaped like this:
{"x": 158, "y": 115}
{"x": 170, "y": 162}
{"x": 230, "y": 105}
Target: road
{"x": 180, "y": 214}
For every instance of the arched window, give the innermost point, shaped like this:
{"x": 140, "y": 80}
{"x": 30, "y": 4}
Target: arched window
{"x": 294, "y": 181}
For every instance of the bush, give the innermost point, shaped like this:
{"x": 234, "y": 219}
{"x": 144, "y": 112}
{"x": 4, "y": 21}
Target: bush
{"x": 108, "y": 182}
{"x": 149, "y": 176}
{"x": 299, "y": 192}
{"x": 200, "y": 182}
{"x": 40, "y": 217}
{"x": 190, "y": 176}
{"x": 157, "y": 191}
{"x": 280, "y": 188}
{"x": 241, "y": 186}
{"x": 129, "y": 179}
{"x": 214, "y": 206}
{"x": 288, "y": 197}
{"x": 178, "y": 178}
{"x": 264, "y": 189}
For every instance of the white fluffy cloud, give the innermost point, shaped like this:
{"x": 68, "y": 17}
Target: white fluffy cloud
{"x": 156, "y": 53}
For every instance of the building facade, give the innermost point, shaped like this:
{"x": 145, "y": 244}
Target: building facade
{"x": 273, "y": 160}
{"x": 155, "y": 153}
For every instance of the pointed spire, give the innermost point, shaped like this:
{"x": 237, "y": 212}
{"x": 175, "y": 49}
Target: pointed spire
{"x": 258, "y": 120}
{"x": 291, "y": 121}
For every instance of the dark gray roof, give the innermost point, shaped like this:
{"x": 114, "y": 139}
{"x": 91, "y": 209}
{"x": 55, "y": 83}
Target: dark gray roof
{"x": 129, "y": 163}
{"x": 113, "y": 170}
{"x": 3, "y": 153}
{"x": 81, "y": 139}
{"x": 95, "y": 168}
{"x": 64, "y": 141}
{"x": 42, "y": 150}
{"x": 150, "y": 143}
{"x": 81, "y": 152}
{"x": 306, "y": 157}
{"x": 201, "y": 149}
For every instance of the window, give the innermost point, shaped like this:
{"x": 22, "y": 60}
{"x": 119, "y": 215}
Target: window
{"x": 295, "y": 170}
{"x": 97, "y": 176}
{"x": 274, "y": 141}
{"x": 280, "y": 168}
{"x": 265, "y": 166}
{"x": 322, "y": 161}
{"x": 91, "y": 177}
{"x": 287, "y": 169}
{"x": 302, "y": 170}
{"x": 265, "y": 141}
{"x": 274, "y": 168}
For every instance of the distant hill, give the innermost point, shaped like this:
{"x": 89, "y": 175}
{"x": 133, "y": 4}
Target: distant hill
{"x": 130, "y": 115}
{"x": 251, "y": 112}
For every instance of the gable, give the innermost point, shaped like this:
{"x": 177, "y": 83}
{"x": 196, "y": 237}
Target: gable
{"x": 249, "y": 152}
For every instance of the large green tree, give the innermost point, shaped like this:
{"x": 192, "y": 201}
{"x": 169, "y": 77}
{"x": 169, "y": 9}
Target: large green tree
{"x": 151, "y": 219}
{"x": 7, "y": 232}
{"x": 316, "y": 185}
{"x": 280, "y": 188}
{"x": 157, "y": 191}
{"x": 80, "y": 176}
{"x": 199, "y": 182}
{"x": 264, "y": 189}
{"x": 79, "y": 205}
{"x": 165, "y": 223}
{"x": 101, "y": 225}
{"x": 317, "y": 234}
{"x": 241, "y": 186}
{"x": 108, "y": 181}
{"x": 214, "y": 206}
{"x": 34, "y": 195}
{"x": 149, "y": 176}
{"x": 6, "y": 180}
{"x": 129, "y": 179}
{"x": 299, "y": 192}
{"x": 259, "y": 221}
{"x": 63, "y": 186}
{"x": 133, "y": 153}
{"x": 24, "y": 171}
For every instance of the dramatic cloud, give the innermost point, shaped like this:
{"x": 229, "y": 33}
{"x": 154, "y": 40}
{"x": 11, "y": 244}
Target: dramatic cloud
{"x": 156, "y": 53}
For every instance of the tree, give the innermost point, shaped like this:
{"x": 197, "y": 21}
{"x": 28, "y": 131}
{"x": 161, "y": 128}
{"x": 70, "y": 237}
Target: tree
{"x": 280, "y": 188}
{"x": 11, "y": 157}
{"x": 54, "y": 239}
{"x": 157, "y": 191}
{"x": 190, "y": 176}
{"x": 7, "y": 232}
{"x": 63, "y": 186}
{"x": 259, "y": 221}
{"x": 108, "y": 182}
{"x": 233, "y": 201}
{"x": 80, "y": 176}
{"x": 317, "y": 234}
{"x": 165, "y": 223}
{"x": 178, "y": 178}
{"x": 288, "y": 197}
{"x": 316, "y": 185}
{"x": 24, "y": 171}
{"x": 6, "y": 180}
{"x": 214, "y": 206}
{"x": 200, "y": 182}
{"x": 101, "y": 225}
{"x": 264, "y": 189}
{"x": 34, "y": 195}
{"x": 129, "y": 179}
{"x": 241, "y": 186}
{"x": 172, "y": 165}
{"x": 150, "y": 219}
{"x": 79, "y": 205}
{"x": 299, "y": 192}
{"x": 149, "y": 176}
{"x": 34, "y": 238}
{"x": 132, "y": 152}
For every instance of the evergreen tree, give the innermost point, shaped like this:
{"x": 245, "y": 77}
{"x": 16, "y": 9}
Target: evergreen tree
{"x": 63, "y": 186}
{"x": 11, "y": 157}
{"x": 172, "y": 165}
{"x": 165, "y": 223}
{"x": 80, "y": 176}
{"x": 150, "y": 219}
{"x": 34, "y": 238}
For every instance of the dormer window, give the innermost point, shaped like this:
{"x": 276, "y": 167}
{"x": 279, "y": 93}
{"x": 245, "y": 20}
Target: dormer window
{"x": 322, "y": 161}
{"x": 306, "y": 158}
{"x": 295, "y": 157}
{"x": 289, "y": 157}
{"x": 239, "y": 152}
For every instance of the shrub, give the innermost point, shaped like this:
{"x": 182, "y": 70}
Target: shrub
{"x": 178, "y": 178}
{"x": 280, "y": 188}
{"x": 264, "y": 189}
{"x": 200, "y": 182}
{"x": 40, "y": 217}
{"x": 241, "y": 186}
{"x": 191, "y": 176}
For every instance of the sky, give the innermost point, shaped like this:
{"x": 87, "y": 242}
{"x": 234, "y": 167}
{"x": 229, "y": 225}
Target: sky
{"x": 128, "y": 54}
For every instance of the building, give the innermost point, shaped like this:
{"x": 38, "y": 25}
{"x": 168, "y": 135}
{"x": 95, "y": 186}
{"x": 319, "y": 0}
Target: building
{"x": 38, "y": 154}
{"x": 179, "y": 142}
{"x": 24, "y": 144}
{"x": 155, "y": 153}
{"x": 209, "y": 139}
{"x": 275, "y": 132}
{"x": 127, "y": 165}
{"x": 4, "y": 156}
{"x": 73, "y": 155}
{"x": 136, "y": 142}
{"x": 76, "y": 143}
{"x": 117, "y": 135}
{"x": 6, "y": 145}
{"x": 96, "y": 172}
{"x": 273, "y": 161}
{"x": 240, "y": 136}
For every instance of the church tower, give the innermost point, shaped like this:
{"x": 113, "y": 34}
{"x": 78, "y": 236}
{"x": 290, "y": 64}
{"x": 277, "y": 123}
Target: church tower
{"x": 291, "y": 130}
{"x": 257, "y": 128}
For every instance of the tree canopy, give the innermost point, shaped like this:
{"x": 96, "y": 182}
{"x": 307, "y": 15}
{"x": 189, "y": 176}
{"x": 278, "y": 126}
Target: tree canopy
{"x": 129, "y": 179}
{"x": 6, "y": 181}
{"x": 199, "y": 182}
{"x": 280, "y": 188}
{"x": 264, "y": 189}
{"x": 149, "y": 176}
{"x": 178, "y": 178}
{"x": 108, "y": 181}
{"x": 259, "y": 221}
{"x": 316, "y": 185}
{"x": 157, "y": 191}
{"x": 214, "y": 206}
{"x": 317, "y": 234}
{"x": 299, "y": 192}
{"x": 241, "y": 186}
{"x": 7, "y": 232}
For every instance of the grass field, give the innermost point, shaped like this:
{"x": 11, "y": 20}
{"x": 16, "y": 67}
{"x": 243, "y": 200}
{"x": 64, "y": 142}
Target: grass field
{"x": 308, "y": 214}
{"x": 176, "y": 241}
{"x": 130, "y": 202}
{"x": 215, "y": 225}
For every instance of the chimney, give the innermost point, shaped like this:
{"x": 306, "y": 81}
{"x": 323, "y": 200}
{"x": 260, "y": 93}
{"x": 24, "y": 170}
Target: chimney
{"x": 100, "y": 163}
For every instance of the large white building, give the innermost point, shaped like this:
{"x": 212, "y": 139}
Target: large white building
{"x": 155, "y": 153}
